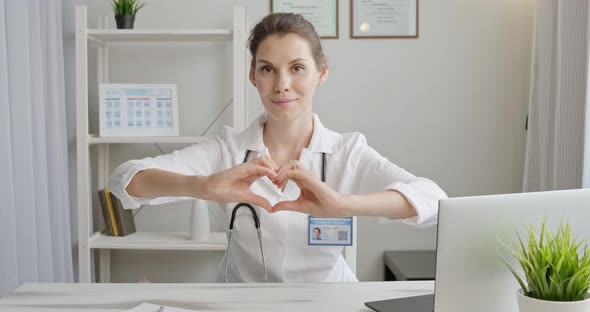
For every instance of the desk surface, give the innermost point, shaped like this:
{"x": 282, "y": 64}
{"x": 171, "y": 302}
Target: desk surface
{"x": 209, "y": 297}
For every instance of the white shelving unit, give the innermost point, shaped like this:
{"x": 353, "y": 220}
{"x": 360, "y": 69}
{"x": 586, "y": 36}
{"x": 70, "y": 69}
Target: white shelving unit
{"x": 92, "y": 239}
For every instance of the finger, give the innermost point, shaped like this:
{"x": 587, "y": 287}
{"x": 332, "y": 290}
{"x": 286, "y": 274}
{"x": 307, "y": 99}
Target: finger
{"x": 258, "y": 201}
{"x": 302, "y": 178}
{"x": 279, "y": 183}
{"x": 299, "y": 185}
{"x": 253, "y": 172}
{"x": 267, "y": 162}
{"x": 287, "y": 166}
{"x": 284, "y": 177}
{"x": 293, "y": 164}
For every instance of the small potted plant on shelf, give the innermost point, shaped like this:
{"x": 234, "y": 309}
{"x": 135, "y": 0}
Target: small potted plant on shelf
{"x": 556, "y": 269}
{"x": 125, "y": 11}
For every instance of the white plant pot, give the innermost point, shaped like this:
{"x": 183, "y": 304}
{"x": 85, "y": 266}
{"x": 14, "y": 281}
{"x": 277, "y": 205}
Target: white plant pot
{"x": 528, "y": 304}
{"x": 199, "y": 227}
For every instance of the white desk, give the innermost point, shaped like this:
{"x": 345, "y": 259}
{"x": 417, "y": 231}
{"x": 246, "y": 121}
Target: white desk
{"x": 340, "y": 297}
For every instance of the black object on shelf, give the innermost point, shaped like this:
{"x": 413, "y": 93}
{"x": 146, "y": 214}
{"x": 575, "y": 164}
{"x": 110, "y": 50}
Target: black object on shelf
{"x": 125, "y": 21}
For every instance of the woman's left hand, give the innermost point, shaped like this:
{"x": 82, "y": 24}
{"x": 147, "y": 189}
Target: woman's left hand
{"x": 316, "y": 198}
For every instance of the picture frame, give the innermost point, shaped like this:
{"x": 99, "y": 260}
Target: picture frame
{"x": 138, "y": 110}
{"x": 374, "y": 19}
{"x": 322, "y": 14}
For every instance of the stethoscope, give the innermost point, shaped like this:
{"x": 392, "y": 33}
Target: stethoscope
{"x": 256, "y": 220}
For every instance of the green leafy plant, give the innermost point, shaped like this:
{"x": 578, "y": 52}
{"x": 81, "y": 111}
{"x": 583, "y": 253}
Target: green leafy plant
{"x": 126, "y": 7}
{"x": 556, "y": 267}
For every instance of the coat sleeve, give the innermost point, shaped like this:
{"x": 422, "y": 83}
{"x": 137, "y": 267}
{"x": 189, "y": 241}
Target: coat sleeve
{"x": 377, "y": 173}
{"x": 203, "y": 158}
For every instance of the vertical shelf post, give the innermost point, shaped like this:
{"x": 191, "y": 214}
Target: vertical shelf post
{"x": 83, "y": 162}
{"x": 104, "y": 255}
{"x": 239, "y": 62}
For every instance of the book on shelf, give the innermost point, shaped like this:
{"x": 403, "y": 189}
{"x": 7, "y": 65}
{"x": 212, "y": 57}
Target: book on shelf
{"x": 118, "y": 220}
{"x": 124, "y": 217}
{"x": 106, "y": 214}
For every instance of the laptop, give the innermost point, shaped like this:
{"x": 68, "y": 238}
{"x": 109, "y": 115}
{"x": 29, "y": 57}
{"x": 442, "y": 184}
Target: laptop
{"x": 470, "y": 275}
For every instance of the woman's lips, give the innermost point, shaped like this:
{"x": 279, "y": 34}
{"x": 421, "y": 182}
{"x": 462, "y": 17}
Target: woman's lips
{"x": 283, "y": 102}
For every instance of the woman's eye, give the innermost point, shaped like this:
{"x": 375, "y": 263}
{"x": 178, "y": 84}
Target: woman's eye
{"x": 266, "y": 69}
{"x": 298, "y": 68}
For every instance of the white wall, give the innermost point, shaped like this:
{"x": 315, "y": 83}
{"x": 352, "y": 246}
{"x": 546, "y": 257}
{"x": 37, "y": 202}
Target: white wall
{"x": 586, "y": 170}
{"x": 449, "y": 105}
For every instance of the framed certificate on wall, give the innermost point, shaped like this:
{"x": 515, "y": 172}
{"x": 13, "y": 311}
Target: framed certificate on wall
{"x": 138, "y": 110}
{"x": 383, "y": 19}
{"x": 322, "y": 14}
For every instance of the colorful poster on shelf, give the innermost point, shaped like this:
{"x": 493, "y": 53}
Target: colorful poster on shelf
{"x": 132, "y": 110}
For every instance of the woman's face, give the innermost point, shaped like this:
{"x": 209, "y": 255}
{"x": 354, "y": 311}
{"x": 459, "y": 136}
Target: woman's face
{"x": 286, "y": 76}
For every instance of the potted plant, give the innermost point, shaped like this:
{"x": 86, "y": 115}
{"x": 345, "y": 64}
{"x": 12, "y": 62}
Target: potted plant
{"x": 556, "y": 269}
{"x": 125, "y": 11}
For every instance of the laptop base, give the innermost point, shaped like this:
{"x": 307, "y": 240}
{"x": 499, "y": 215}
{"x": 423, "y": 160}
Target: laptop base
{"x": 423, "y": 303}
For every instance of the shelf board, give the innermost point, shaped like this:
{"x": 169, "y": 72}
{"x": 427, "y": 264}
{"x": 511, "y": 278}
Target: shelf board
{"x": 157, "y": 241}
{"x": 94, "y": 139}
{"x": 163, "y": 35}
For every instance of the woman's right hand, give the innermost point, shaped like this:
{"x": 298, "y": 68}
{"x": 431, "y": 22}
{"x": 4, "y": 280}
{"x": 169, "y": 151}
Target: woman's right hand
{"x": 233, "y": 185}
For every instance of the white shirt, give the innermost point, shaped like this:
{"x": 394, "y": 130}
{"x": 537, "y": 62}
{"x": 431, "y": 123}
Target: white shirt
{"x": 352, "y": 167}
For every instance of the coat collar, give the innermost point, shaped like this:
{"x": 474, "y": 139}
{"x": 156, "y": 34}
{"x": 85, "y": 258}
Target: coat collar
{"x": 323, "y": 140}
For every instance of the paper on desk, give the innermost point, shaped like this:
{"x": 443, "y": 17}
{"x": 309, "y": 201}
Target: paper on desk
{"x": 149, "y": 307}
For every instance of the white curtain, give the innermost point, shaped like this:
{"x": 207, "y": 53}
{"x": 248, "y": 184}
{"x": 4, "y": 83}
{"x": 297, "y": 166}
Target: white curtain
{"x": 35, "y": 238}
{"x": 555, "y": 142}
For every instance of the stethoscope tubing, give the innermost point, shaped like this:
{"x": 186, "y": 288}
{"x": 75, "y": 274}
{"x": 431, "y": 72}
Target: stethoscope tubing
{"x": 231, "y": 228}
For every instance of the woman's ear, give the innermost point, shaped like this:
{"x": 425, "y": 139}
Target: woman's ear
{"x": 323, "y": 74}
{"x": 251, "y": 76}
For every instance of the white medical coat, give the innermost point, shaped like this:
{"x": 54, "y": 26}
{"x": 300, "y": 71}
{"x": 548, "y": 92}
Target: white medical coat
{"x": 352, "y": 167}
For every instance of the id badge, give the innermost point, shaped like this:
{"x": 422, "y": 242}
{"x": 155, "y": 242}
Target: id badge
{"x": 329, "y": 231}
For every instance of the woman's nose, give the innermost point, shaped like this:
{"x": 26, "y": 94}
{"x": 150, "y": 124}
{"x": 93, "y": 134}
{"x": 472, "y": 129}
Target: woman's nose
{"x": 282, "y": 84}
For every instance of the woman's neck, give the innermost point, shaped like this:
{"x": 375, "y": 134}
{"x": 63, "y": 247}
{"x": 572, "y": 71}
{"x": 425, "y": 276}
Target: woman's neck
{"x": 285, "y": 140}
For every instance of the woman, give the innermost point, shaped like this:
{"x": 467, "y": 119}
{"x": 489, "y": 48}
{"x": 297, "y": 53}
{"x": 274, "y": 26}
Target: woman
{"x": 277, "y": 164}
